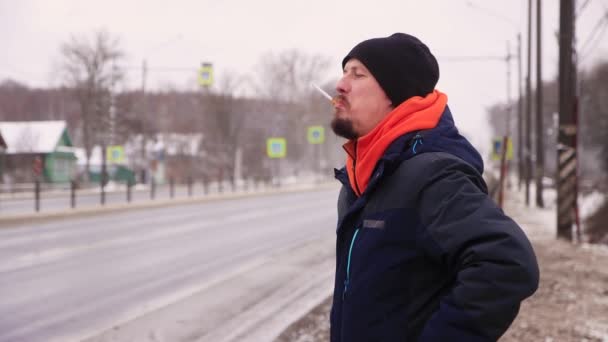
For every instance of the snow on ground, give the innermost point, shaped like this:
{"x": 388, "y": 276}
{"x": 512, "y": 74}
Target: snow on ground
{"x": 588, "y": 204}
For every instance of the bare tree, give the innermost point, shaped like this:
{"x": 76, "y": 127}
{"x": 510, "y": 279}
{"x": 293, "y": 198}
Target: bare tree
{"x": 14, "y": 98}
{"x": 285, "y": 78}
{"x": 89, "y": 69}
{"x": 224, "y": 120}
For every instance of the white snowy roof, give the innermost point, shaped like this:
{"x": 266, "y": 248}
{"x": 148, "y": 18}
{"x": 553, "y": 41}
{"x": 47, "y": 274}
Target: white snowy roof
{"x": 31, "y": 136}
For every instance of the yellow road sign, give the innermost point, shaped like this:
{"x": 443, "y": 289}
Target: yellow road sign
{"x": 205, "y": 75}
{"x": 497, "y": 145}
{"x": 276, "y": 147}
{"x": 316, "y": 134}
{"x": 115, "y": 154}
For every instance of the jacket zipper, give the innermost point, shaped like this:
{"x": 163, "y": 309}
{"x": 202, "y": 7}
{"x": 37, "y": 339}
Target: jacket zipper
{"x": 350, "y": 251}
{"x": 355, "y": 171}
{"x": 417, "y": 139}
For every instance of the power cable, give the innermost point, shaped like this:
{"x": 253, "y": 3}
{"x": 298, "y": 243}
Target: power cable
{"x": 493, "y": 14}
{"x": 160, "y": 69}
{"x": 582, "y": 8}
{"x": 594, "y": 36}
{"x": 470, "y": 58}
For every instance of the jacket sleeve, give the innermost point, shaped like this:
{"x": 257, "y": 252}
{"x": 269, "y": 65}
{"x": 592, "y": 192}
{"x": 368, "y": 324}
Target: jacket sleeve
{"x": 492, "y": 262}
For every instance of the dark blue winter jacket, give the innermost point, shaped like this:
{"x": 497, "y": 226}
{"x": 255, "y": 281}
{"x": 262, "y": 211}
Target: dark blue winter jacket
{"x": 424, "y": 254}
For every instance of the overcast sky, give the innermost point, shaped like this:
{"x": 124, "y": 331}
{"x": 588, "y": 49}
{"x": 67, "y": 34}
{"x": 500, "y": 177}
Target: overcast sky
{"x": 234, "y": 34}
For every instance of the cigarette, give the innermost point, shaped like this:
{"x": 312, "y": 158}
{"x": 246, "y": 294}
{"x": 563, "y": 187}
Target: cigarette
{"x": 323, "y": 92}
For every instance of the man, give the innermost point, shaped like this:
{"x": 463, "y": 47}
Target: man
{"x": 422, "y": 252}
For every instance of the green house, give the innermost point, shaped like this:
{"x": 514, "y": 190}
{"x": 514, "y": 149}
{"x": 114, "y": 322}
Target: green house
{"x": 38, "y": 149}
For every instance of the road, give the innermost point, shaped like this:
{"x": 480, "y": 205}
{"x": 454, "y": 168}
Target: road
{"x": 201, "y": 272}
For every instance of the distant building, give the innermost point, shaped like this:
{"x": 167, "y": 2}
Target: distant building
{"x": 38, "y": 149}
{"x": 167, "y": 155}
{"x": 116, "y": 170}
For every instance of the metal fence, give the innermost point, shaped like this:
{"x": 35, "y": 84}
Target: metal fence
{"x": 36, "y": 197}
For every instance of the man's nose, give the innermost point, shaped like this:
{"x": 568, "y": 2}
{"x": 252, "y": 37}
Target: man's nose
{"x": 342, "y": 87}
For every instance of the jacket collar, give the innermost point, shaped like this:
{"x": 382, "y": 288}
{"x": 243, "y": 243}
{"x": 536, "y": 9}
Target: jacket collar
{"x": 415, "y": 114}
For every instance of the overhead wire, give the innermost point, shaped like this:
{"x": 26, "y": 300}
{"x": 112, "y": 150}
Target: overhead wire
{"x": 596, "y": 35}
{"x": 581, "y": 8}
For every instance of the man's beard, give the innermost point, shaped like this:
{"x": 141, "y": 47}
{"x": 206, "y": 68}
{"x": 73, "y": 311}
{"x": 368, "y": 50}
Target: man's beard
{"x": 343, "y": 128}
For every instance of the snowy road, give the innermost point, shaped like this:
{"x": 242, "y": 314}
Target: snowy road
{"x": 204, "y": 272}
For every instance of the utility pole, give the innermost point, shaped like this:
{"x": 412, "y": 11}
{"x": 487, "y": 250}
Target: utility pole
{"x": 109, "y": 136}
{"x": 504, "y": 166}
{"x": 566, "y": 147}
{"x": 144, "y": 108}
{"x": 505, "y": 139}
{"x": 528, "y": 148}
{"x": 112, "y": 139}
{"x": 509, "y": 107}
{"x": 520, "y": 116}
{"x": 540, "y": 145}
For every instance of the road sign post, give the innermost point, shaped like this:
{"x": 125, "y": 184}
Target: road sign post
{"x": 72, "y": 194}
{"x": 37, "y": 195}
{"x": 276, "y": 148}
{"x": 502, "y": 150}
{"x": 316, "y": 136}
{"x": 37, "y": 167}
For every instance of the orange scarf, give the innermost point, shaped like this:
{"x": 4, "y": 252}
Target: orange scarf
{"x": 415, "y": 114}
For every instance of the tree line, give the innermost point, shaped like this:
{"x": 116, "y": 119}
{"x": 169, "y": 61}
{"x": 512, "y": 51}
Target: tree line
{"x": 100, "y": 110}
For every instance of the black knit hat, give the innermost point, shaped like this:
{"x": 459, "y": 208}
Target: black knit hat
{"x": 403, "y": 66}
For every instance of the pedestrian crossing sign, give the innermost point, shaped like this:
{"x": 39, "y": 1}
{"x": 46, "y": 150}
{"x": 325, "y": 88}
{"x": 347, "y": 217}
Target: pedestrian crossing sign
{"x": 115, "y": 154}
{"x": 276, "y": 147}
{"x": 316, "y": 134}
{"x": 497, "y": 146}
{"x": 205, "y": 75}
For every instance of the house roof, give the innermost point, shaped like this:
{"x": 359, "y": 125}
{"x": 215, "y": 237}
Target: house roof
{"x": 32, "y": 136}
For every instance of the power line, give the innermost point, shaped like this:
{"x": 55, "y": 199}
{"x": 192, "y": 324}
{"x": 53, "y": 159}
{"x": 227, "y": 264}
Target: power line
{"x": 588, "y": 52}
{"x": 595, "y": 33}
{"x": 493, "y": 14}
{"x": 582, "y": 8}
{"x": 131, "y": 68}
{"x": 470, "y": 58}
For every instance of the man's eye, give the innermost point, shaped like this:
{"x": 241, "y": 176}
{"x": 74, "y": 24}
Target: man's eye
{"x": 358, "y": 75}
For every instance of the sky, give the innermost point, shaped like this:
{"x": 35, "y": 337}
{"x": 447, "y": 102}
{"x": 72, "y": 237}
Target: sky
{"x": 235, "y": 34}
